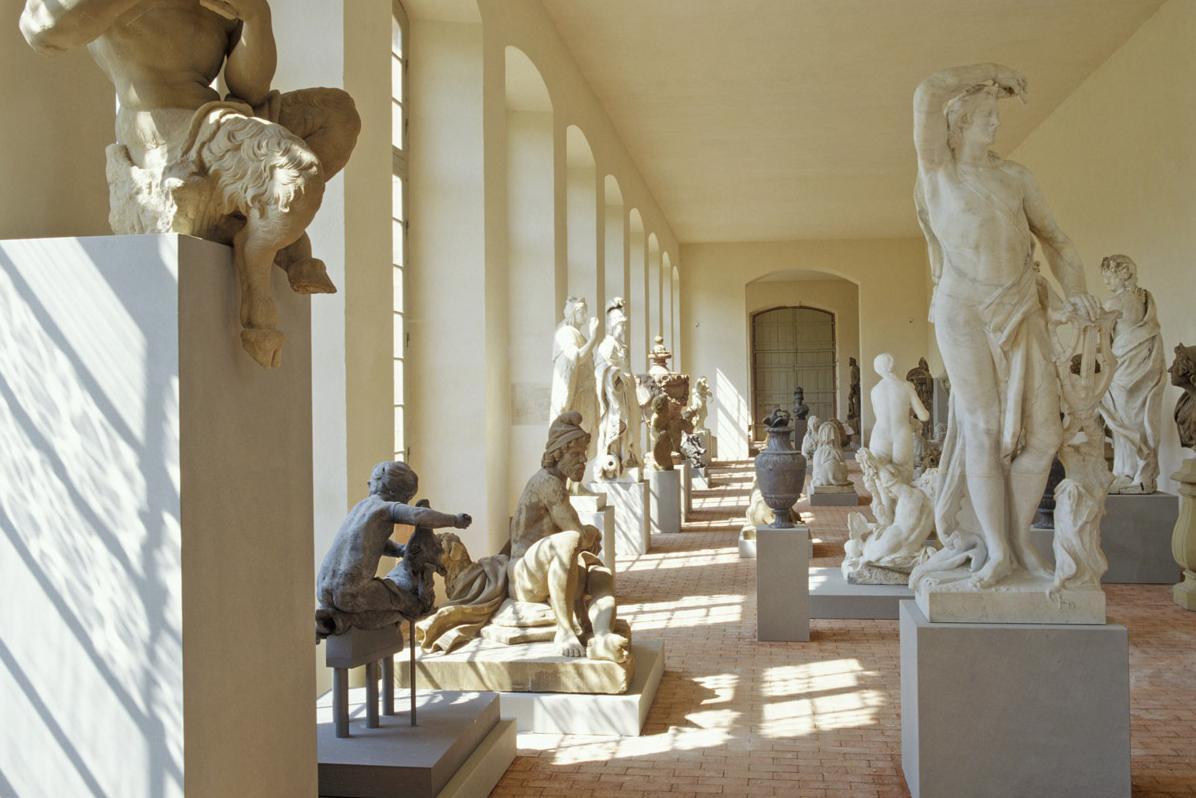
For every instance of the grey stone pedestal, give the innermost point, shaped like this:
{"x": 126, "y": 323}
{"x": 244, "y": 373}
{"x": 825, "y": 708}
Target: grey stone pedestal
{"x": 832, "y": 596}
{"x": 1136, "y": 538}
{"x": 666, "y": 501}
{"x": 1014, "y": 710}
{"x": 631, "y": 501}
{"x": 834, "y": 497}
{"x": 782, "y": 584}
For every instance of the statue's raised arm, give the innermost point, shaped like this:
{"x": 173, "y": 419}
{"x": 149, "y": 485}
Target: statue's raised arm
{"x": 930, "y": 122}
{"x": 57, "y": 25}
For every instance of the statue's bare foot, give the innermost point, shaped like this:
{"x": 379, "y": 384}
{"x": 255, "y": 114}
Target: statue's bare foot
{"x": 568, "y": 644}
{"x": 265, "y": 346}
{"x": 995, "y": 570}
{"x": 309, "y": 276}
{"x": 609, "y": 646}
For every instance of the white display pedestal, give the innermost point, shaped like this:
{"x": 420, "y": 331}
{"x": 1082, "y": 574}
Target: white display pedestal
{"x": 1004, "y": 710}
{"x": 1135, "y": 535}
{"x": 666, "y": 501}
{"x": 632, "y": 526}
{"x": 834, "y": 496}
{"x": 832, "y": 596}
{"x": 595, "y": 511}
{"x": 782, "y": 584}
{"x": 157, "y": 548}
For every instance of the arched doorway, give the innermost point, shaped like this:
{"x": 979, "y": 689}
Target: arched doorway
{"x": 792, "y": 346}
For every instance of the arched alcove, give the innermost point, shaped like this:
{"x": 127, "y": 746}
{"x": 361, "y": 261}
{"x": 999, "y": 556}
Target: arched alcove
{"x": 654, "y": 299}
{"x": 637, "y": 289}
{"x": 677, "y": 334}
{"x": 615, "y": 237}
{"x": 666, "y": 301}
{"x": 584, "y": 273}
{"x": 531, "y": 303}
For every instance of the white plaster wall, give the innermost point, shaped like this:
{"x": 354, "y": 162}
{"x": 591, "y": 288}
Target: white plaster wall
{"x": 716, "y": 333}
{"x": 1116, "y": 161}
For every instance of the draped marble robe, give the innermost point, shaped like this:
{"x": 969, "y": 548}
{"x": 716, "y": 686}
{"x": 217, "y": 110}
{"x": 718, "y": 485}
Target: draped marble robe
{"x": 573, "y": 387}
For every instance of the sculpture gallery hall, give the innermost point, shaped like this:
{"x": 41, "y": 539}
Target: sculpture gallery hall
{"x": 461, "y": 398}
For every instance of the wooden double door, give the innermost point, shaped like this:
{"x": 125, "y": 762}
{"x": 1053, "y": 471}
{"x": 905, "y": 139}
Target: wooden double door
{"x": 792, "y": 347}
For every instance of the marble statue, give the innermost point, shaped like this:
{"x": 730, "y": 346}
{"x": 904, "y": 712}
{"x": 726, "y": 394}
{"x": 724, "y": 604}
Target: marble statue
{"x": 618, "y": 445}
{"x": 893, "y": 433}
{"x": 573, "y": 377}
{"x": 828, "y": 468}
{"x": 809, "y": 441}
{"x": 1132, "y": 409}
{"x": 923, "y": 382}
{"x": 886, "y": 551}
{"x": 552, "y": 580}
{"x": 349, "y": 592}
{"x": 980, "y": 215}
{"x": 247, "y": 170}
{"x": 698, "y": 398}
{"x": 1183, "y": 375}
{"x": 854, "y": 418}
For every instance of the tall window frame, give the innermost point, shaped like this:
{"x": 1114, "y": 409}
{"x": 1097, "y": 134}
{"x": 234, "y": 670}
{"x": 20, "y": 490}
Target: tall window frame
{"x": 399, "y": 50}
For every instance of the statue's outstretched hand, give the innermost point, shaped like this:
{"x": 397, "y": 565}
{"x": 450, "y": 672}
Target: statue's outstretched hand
{"x": 463, "y": 521}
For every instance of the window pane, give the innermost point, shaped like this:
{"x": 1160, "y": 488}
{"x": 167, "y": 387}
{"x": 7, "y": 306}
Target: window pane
{"x": 397, "y": 274}
{"x": 399, "y": 349}
{"x": 400, "y": 438}
{"x": 396, "y": 124}
{"x": 396, "y": 78}
{"x": 396, "y": 36}
{"x": 398, "y": 372}
{"x": 396, "y": 243}
{"x": 396, "y": 198}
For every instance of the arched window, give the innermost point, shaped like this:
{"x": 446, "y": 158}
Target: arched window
{"x": 398, "y": 98}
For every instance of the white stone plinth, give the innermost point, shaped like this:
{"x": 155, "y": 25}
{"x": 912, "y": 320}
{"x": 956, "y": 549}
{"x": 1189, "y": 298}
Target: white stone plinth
{"x": 156, "y": 543}
{"x": 460, "y": 746}
{"x": 951, "y": 598}
{"x": 834, "y": 496}
{"x": 595, "y": 511}
{"x": 1014, "y": 710}
{"x": 782, "y": 584}
{"x": 747, "y": 542}
{"x": 666, "y": 501}
{"x": 580, "y": 713}
{"x": 631, "y": 501}
{"x": 832, "y": 596}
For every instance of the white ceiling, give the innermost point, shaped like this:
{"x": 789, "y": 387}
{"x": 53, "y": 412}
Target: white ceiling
{"x": 790, "y": 119}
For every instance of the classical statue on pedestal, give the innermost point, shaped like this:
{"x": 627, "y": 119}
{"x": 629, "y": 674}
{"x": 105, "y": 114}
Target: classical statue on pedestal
{"x": 349, "y": 593}
{"x": 1132, "y": 409}
{"x": 980, "y": 215}
{"x": 893, "y": 399}
{"x": 249, "y": 170}
{"x": 854, "y": 417}
{"x": 573, "y": 388}
{"x": 885, "y": 552}
{"x": 829, "y": 469}
{"x": 618, "y": 447}
{"x": 698, "y": 398}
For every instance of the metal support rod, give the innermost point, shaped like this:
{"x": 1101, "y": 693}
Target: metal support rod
{"x": 388, "y": 685}
{"x": 340, "y": 701}
{"x": 411, "y": 641}
{"x": 371, "y": 695}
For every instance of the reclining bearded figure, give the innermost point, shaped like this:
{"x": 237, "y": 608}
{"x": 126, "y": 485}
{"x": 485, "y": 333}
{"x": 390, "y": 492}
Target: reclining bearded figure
{"x": 248, "y": 170}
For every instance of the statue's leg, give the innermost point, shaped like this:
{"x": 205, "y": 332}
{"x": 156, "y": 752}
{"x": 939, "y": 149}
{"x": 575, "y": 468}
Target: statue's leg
{"x": 549, "y": 567}
{"x": 1043, "y": 434}
{"x": 374, "y": 597}
{"x": 327, "y": 120}
{"x": 600, "y": 586}
{"x": 965, "y": 350}
{"x": 306, "y": 274}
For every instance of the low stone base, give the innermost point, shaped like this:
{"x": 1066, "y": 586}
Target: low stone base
{"x": 1135, "y": 536}
{"x": 834, "y": 496}
{"x": 1014, "y": 711}
{"x": 460, "y": 747}
{"x": 567, "y": 713}
{"x": 666, "y": 501}
{"x": 832, "y": 596}
{"x": 782, "y": 584}
{"x": 631, "y": 501}
{"x": 875, "y": 575}
{"x": 527, "y": 667}
{"x": 950, "y": 598}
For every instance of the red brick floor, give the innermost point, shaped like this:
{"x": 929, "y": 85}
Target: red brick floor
{"x": 821, "y": 719}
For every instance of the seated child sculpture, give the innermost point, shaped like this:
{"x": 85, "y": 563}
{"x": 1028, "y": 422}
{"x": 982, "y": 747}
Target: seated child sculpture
{"x": 349, "y": 593}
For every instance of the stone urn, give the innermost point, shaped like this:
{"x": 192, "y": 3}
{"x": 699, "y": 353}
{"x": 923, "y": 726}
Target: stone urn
{"x": 780, "y": 474}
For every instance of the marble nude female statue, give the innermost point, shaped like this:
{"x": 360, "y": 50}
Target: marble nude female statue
{"x": 573, "y": 388}
{"x": 249, "y": 170}
{"x": 893, "y": 399}
{"x": 980, "y": 215}
{"x": 618, "y": 446}
{"x": 1132, "y": 409}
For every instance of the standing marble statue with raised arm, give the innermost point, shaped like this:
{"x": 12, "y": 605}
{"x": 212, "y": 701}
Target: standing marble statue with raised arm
{"x": 1132, "y": 409}
{"x": 618, "y": 448}
{"x": 249, "y": 170}
{"x": 893, "y": 399}
{"x": 980, "y": 215}
{"x": 573, "y": 388}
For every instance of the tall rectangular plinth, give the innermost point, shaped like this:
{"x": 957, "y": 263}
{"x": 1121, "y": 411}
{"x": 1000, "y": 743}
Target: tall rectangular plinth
{"x": 632, "y": 525}
{"x": 782, "y": 584}
{"x": 155, "y": 526}
{"x": 598, "y": 513}
{"x": 666, "y": 501}
{"x": 1003, "y": 710}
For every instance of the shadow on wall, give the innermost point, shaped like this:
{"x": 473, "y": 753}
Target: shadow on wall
{"x": 84, "y": 531}
{"x": 731, "y": 418}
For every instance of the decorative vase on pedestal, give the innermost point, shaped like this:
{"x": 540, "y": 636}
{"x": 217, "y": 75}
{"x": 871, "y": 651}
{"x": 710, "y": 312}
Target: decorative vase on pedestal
{"x": 781, "y": 474}
{"x": 1183, "y": 539}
